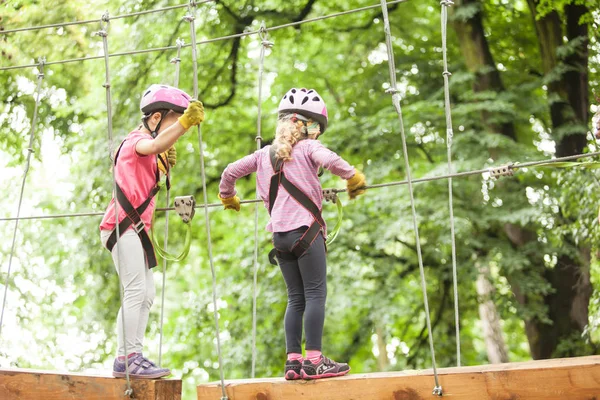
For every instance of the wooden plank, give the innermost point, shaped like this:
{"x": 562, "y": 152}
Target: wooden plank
{"x": 558, "y": 379}
{"x": 26, "y": 384}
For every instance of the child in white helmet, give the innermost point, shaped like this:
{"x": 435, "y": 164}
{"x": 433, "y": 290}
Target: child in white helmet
{"x": 147, "y": 150}
{"x": 288, "y": 183}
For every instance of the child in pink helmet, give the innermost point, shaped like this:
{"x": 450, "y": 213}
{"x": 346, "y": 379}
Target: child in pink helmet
{"x": 288, "y": 183}
{"x": 167, "y": 114}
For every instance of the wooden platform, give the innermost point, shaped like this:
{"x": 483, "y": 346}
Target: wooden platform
{"x": 28, "y": 384}
{"x": 558, "y": 379}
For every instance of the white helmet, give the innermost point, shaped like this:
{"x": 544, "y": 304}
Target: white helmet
{"x": 306, "y": 102}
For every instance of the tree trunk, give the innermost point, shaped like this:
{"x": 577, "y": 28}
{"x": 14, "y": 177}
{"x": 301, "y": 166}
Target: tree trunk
{"x": 382, "y": 359}
{"x": 479, "y": 60}
{"x": 568, "y": 303}
{"x": 568, "y": 92}
{"x": 488, "y": 314}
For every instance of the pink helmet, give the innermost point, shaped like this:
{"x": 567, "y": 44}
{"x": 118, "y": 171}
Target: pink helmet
{"x": 164, "y": 97}
{"x": 305, "y": 102}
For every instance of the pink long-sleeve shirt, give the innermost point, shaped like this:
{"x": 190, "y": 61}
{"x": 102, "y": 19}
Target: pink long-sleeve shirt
{"x": 307, "y": 156}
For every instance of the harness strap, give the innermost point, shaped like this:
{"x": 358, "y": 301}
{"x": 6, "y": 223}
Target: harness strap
{"x": 133, "y": 218}
{"x": 315, "y": 228}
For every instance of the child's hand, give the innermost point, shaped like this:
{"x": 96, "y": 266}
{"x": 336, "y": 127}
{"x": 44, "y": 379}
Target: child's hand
{"x": 169, "y": 156}
{"x": 193, "y": 115}
{"x": 356, "y": 184}
{"x": 230, "y": 203}
{"x": 172, "y": 156}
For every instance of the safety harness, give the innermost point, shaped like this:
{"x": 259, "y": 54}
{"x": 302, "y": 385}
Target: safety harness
{"x": 313, "y": 230}
{"x": 133, "y": 216}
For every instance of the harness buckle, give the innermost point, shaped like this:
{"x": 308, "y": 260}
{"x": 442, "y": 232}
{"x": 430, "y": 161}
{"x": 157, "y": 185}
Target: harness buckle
{"x": 139, "y": 226}
{"x": 184, "y": 206}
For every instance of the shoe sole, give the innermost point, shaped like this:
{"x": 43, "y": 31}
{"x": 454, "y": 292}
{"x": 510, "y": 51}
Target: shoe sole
{"x": 292, "y": 376}
{"x": 147, "y": 376}
{"x": 307, "y": 377}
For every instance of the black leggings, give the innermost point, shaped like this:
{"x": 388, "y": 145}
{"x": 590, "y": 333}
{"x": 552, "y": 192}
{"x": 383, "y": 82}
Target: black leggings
{"x": 306, "y": 281}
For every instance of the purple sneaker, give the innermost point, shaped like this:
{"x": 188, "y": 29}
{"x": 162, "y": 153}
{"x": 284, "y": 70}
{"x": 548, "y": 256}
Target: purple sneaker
{"x": 324, "y": 368}
{"x": 139, "y": 368}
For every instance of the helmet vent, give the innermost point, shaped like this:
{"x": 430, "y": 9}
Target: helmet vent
{"x": 305, "y": 99}
{"x": 292, "y": 99}
{"x": 316, "y": 98}
{"x": 294, "y": 91}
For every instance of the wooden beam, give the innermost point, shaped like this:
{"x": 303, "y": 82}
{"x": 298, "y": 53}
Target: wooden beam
{"x": 557, "y": 379}
{"x": 27, "y": 384}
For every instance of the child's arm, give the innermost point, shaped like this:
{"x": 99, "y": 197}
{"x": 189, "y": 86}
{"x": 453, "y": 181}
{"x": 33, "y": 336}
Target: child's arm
{"x": 337, "y": 165}
{"x": 193, "y": 115}
{"x": 234, "y": 171}
{"x": 329, "y": 160}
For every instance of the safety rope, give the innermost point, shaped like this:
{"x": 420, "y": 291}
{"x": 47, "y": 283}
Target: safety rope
{"x": 40, "y": 78}
{"x": 265, "y": 44}
{"x": 393, "y": 90}
{"x": 218, "y": 39}
{"x": 177, "y": 62}
{"x": 90, "y": 21}
{"x": 190, "y": 17}
{"x": 449, "y": 135}
{"x": 510, "y": 167}
{"x": 103, "y": 33}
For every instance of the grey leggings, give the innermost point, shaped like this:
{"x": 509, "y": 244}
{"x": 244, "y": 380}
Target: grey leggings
{"x": 138, "y": 290}
{"x": 306, "y": 281}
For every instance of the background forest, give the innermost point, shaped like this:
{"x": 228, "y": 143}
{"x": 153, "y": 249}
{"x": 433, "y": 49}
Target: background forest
{"x": 524, "y": 75}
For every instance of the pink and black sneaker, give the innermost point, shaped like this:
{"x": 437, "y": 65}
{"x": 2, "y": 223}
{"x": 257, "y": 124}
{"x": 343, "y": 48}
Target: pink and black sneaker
{"x": 293, "y": 369}
{"x": 324, "y": 368}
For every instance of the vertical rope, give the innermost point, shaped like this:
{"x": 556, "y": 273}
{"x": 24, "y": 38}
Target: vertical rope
{"x": 104, "y": 34}
{"x": 449, "y": 135}
{"x": 176, "y": 61}
{"x": 265, "y": 45}
{"x": 396, "y": 102}
{"x": 40, "y": 78}
{"x": 190, "y": 18}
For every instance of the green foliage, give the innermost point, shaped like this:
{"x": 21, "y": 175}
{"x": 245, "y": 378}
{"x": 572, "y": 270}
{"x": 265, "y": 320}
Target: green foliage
{"x": 63, "y": 285}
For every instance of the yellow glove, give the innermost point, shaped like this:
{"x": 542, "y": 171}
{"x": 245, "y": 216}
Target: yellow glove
{"x": 356, "y": 184}
{"x": 169, "y": 156}
{"x": 193, "y": 115}
{"x": 230, "y": 203}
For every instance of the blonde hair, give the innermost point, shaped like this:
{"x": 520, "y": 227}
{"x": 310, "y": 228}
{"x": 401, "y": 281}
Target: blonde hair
{"x": 287, "y": 134}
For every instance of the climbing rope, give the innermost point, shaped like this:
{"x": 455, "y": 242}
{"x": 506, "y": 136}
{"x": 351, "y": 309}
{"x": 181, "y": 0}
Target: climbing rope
{"x": 90, "y": 21}
{"x": 38, "y": 91}
{"x": 449, "y": 135}
{"x": 493, "y": 172}
{"x": 103, "y": 33}
{"x": 237, "y": 35}
{"x": 190, "y": 17}
{"x": 265, "y": 44}
{"x": 393, "y": 90}
{"x": 177, "y": 61}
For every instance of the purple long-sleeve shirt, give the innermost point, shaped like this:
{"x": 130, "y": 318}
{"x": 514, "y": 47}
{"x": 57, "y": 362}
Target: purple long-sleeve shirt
{"x": 307, "y": 156}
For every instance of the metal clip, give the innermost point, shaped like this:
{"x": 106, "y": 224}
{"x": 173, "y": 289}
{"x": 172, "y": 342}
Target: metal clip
{"x": 503, "y": 170}
{"x": 330, "y": 195}
{"x": 263, "y": 33}
{"x": 437, "y": 391}
{"x": 139, "y": 226}
{"x": 185, "y": 207}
